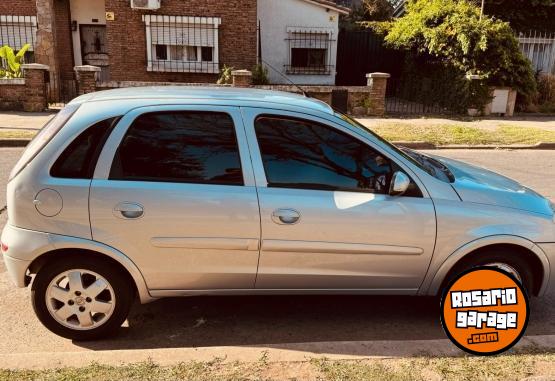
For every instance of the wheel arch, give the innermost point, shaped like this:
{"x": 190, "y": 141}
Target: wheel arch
{"x": 539, "y": 260}
{"x": 72, "y": 246}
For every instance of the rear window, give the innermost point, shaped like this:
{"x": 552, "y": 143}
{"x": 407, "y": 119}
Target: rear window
{"x": 78, "y": 160}
{"x": 43, "y": 137}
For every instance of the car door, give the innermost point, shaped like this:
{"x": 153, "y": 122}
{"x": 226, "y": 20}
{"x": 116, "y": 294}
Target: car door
{"x": 174, "y": 191}
{"x": 327, "y": 219}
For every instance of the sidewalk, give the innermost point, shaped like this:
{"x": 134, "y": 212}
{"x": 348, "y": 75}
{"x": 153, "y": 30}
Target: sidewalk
{"x": 488, "y": 124}
{"x": 521, "y": 132}
{"x": 24, "y": 120}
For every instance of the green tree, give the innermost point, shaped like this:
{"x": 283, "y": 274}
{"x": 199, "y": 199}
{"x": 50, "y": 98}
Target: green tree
{"x": 524, "y": 15}
{"x": 452, "y": 32}
{"x": 368, "y": 10}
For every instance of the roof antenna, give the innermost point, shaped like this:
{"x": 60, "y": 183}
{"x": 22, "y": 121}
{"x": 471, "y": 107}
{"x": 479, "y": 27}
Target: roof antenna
{"x": 303, "y": 91}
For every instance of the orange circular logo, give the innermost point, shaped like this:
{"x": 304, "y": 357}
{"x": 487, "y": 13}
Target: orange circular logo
{"x": 485, "y": 311}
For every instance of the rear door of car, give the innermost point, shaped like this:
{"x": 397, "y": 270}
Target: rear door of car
{"x": 174, "y": 191}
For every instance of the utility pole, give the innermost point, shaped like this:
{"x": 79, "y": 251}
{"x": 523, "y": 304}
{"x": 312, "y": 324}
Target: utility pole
{"x": 482, "y": 9}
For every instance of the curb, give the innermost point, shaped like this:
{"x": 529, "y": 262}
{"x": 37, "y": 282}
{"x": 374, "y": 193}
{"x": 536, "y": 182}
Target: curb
{"x": 291, "y": 352}
{"x": 7, "y": 143}
{"x": 430, "y": 146}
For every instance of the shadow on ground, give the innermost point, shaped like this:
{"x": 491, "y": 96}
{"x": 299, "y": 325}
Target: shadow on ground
{"x": 280, "y": 320}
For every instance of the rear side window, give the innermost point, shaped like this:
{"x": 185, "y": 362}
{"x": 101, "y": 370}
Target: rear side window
{"x": 43, "y": 137}
{"x": 180, "y": 147}
{"x": 78, "y": 160}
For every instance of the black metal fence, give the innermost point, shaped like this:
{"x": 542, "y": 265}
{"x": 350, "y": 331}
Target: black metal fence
{"x": 418, "y": 97}
{"x": 360, "y": 52}
{"x": 60, "y": 90}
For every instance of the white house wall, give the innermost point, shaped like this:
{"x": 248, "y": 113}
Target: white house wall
{"x": 84, "y": 11}
{"x": 275, "y": 17}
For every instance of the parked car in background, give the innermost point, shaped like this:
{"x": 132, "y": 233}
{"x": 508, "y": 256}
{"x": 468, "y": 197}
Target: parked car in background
{"x": 162, "y": 192}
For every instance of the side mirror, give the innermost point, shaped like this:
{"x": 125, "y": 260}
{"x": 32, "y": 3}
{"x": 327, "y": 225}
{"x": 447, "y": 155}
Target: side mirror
{"x": 399, "y": 184}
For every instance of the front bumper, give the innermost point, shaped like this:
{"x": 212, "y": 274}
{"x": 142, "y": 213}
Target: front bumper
{"x": 549, "y": 251}
{"x": 23, "y": 247}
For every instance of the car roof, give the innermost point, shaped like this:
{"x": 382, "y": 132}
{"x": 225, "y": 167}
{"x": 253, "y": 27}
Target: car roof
{"x": 232, "y": 94}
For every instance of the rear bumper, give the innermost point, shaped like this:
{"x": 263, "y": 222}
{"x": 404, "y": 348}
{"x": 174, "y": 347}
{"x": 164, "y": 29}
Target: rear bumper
{"x": 17, "y": 270}
{"x": 24, "y": 246}
{"x": 549, "y": 283}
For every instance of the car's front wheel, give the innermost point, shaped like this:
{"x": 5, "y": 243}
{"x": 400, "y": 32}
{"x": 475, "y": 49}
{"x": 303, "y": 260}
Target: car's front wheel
{"x": 81, "y": 298}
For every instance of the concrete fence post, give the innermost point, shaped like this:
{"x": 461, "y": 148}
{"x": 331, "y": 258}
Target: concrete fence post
{"x": 35, "y": 87}
{"x": 241, "y": 78}
{"x": 87, "y": 76}
{"x": 378, "y": 85}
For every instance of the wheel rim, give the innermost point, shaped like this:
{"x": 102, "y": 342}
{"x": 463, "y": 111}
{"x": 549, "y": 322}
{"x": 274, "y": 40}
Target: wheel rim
{"x": 80, "y": 299}
{"x": 507, "y": 268}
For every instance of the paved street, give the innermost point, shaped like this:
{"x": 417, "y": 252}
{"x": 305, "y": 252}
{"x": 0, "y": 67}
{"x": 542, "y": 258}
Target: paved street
{"x": 275, "y": 321}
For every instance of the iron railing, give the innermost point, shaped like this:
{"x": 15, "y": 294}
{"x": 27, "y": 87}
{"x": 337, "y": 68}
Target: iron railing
{"x": 539, "y": 48}
{"x": 182, "y": 44}
{"x": 310, "y": 51}
{"x": 17, "y": 31}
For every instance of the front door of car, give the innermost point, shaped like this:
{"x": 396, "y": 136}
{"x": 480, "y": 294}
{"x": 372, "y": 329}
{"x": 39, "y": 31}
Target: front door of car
{"x": 174, "y": 191}
{"x": 327, "y": 219}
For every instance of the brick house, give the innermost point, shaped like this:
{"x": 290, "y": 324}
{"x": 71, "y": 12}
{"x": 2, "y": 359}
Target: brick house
{"x": 179, "y": 41}
{"x": 175, "y": 40}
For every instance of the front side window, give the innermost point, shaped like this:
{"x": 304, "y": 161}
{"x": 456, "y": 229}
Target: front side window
{"x": 180, "y": 147}
{"x": 182, "y": 43}
{"x": 303, "y": 154}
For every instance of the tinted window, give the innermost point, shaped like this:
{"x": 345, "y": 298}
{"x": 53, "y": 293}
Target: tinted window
{"x": 302, "y": 154}
{"x": 187, "y": 147}
{"x": 78, "y": 161}
{"x": 43, "y": 137}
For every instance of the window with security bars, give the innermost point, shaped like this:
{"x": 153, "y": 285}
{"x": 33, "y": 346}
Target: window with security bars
{"x": 309, "y": 51}
{"x": 182, "y": 44}
{"x": 17, "y": 31}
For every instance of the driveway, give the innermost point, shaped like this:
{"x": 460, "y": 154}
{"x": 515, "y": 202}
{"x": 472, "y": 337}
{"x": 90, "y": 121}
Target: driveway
{"x": 343, "y": 325}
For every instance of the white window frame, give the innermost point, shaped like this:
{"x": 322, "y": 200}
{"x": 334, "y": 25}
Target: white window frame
{"x": 329, "y": 59}
{"x": 213, "y": 68}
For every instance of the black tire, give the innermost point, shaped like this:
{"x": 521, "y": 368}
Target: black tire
{"x": 123, "y": 293}
{"x": 515, "y": 260}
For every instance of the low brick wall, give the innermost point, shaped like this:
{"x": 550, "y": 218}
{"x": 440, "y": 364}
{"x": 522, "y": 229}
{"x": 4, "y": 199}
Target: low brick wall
{"x": 12, "y": 94}
{"x": 361, "y": 100}
{"x": 25, "y": 94}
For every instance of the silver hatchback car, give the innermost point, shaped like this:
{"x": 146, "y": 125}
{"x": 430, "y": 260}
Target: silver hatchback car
{"x": 162, "y": 192}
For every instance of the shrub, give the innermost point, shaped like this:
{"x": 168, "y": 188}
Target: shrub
{"x": 260, "y": 75}
{"x": 225, "y": 76}
{"x": 10, "y": 63}
{"x": 452, "y": 32}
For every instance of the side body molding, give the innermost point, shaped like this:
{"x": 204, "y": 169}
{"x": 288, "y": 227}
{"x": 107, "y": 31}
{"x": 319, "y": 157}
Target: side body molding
{"x": 433, "y": 281}
{"x": 66, "y": 242}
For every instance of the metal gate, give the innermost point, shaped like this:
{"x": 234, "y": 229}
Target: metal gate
{"x": 360, "y": 52}
{"x": 60, "y": 89}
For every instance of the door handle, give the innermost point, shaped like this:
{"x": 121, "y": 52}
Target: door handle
{"x": 286, "y": 216}
{"x": 129, "y": 210}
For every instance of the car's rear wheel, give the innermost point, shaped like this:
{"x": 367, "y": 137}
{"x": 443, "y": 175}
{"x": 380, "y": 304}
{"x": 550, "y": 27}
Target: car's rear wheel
{"x": 81, "y": 298}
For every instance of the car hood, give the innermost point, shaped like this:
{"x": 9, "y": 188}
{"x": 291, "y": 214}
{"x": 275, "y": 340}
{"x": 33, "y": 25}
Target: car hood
{"x": 479, "y": 185}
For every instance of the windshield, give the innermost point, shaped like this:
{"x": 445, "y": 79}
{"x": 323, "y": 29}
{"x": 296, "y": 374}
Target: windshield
{"x": 424, "y": 162}
{"x": 43, "y": 137}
